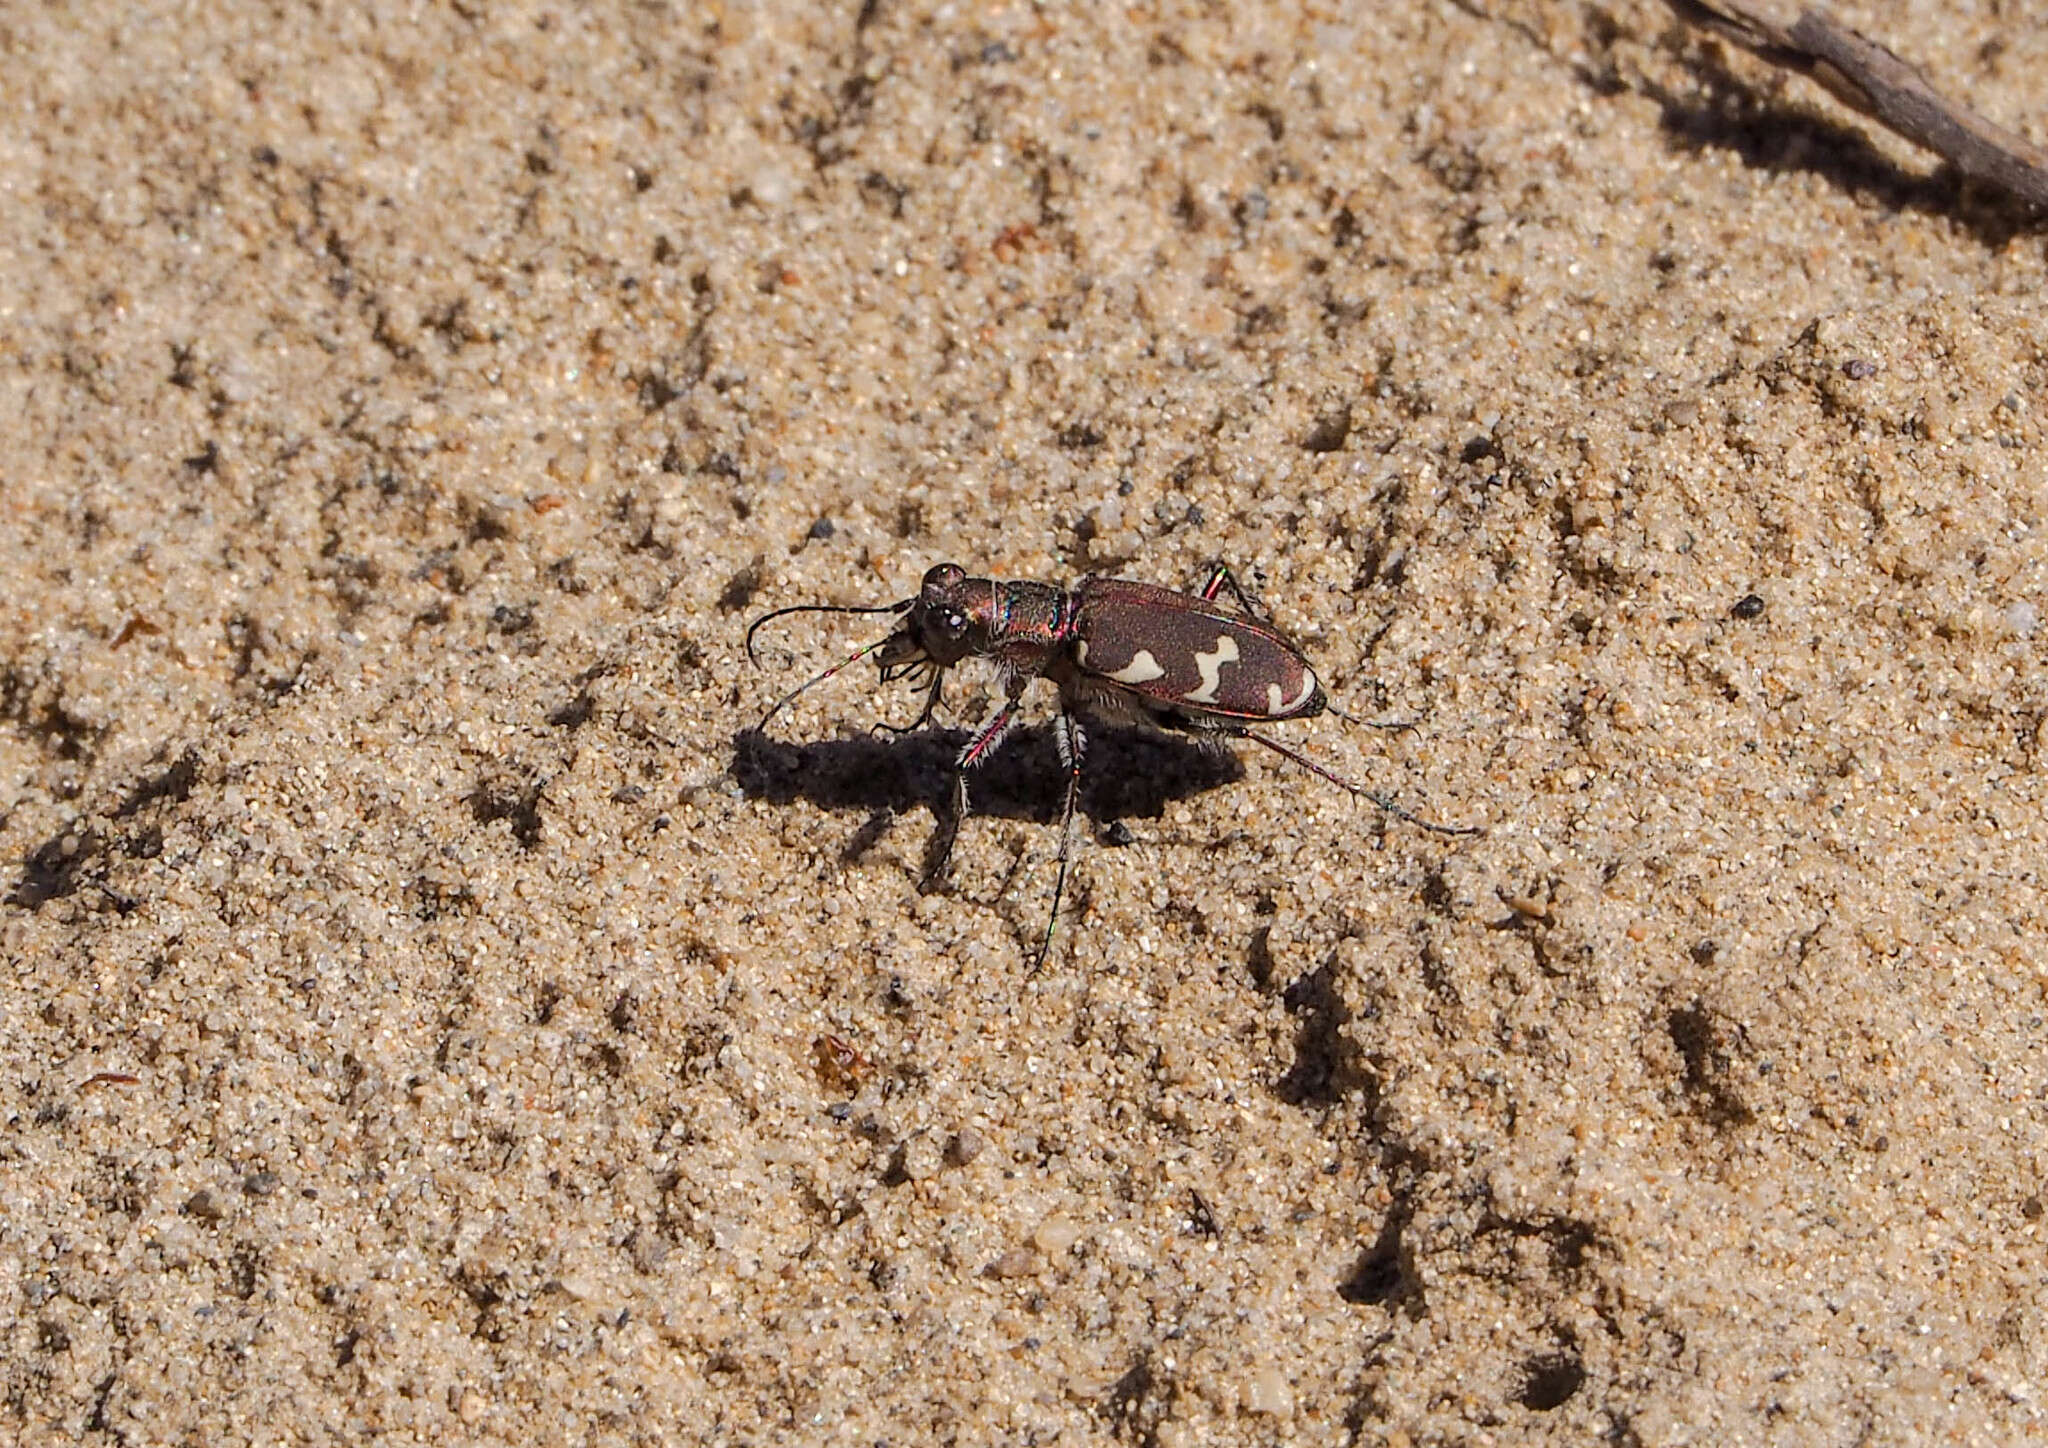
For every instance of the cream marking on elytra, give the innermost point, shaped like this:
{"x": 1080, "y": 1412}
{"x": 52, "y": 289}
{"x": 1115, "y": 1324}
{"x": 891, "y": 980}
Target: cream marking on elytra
{"x": 1143, "y": 669}
{"x": 1276, "y": 707}
{"x": 1210, "y": 666}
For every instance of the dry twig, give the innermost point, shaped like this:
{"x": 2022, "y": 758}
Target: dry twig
{"x": 1863, "y": 74}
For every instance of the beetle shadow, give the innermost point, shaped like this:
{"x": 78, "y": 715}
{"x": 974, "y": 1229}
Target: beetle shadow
{"x": 1128, "y": 774}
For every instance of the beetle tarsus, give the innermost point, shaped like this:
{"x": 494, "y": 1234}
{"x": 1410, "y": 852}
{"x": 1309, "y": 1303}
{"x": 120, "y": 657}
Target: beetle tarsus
{"x": 1385, "y": 802}
{"x": 1392, "y": 726}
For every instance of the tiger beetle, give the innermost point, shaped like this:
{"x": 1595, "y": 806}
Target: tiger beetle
{"x": 1121, "y": 652}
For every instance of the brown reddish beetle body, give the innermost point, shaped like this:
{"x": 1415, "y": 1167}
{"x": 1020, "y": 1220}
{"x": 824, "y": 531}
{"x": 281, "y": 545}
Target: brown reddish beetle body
{"x": 1122, "y": 652}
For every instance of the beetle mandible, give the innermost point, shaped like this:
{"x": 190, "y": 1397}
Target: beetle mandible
{"x": 1121, "y": 652}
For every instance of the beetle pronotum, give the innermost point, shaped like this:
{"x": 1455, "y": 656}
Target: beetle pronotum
{"x": 1122, "y": 652}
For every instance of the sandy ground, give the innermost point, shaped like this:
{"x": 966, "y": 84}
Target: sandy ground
{"x": 430, "y": 1014}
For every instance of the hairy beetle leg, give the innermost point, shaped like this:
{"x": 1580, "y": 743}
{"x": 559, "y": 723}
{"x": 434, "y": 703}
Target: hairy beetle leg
{"x": 985, "y": 742}
{"x": 1073, "y": 743}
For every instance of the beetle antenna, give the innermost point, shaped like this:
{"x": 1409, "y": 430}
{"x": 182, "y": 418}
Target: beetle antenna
{"x": 777, "y": 707}
{"x": 755, "y": 627}
{"x": 1341, "y": 782}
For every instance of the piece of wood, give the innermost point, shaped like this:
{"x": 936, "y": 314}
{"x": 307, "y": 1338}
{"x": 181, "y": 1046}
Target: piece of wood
{"x": 1865, "y": 75}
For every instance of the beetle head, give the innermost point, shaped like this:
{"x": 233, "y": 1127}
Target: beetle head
{"x": 953, "y": 618}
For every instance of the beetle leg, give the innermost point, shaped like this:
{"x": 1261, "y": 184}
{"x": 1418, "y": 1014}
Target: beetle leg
{"x": 931, "y": 703}
{"x": 972, "y": 753}
{"x": 1221, "y": 577}
{"x": 1383, "y": 801}
{"x": 1073, "y": 743}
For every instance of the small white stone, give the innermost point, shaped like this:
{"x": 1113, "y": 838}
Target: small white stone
{"x": 1056, "y": 1236}
{"x": 1271, "y": 1393}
